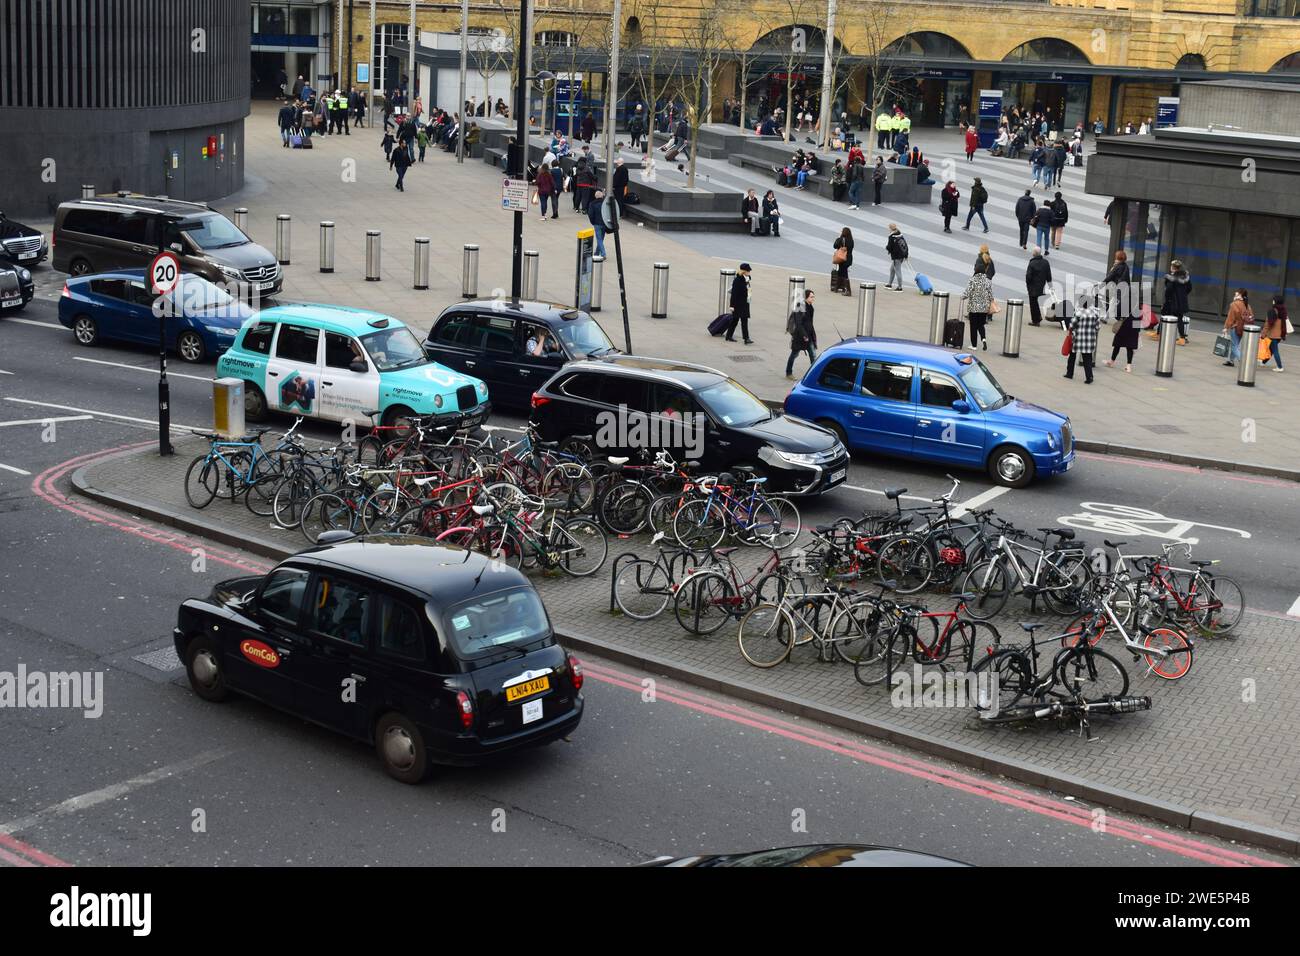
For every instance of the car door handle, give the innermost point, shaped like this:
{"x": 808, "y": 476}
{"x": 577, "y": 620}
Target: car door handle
{"x": 523, "y": 371}
{"x": 923, "y": 421}
{"x": 470, "y": 362}
{"x": 857, "y": 413}
{"x": 269, "y": 372}
{"x": 327, "y": 383}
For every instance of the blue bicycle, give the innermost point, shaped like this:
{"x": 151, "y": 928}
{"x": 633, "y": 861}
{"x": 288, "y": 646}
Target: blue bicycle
{"x": 230, "y": 469}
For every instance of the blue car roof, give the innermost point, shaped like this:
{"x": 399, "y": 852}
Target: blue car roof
{"x": 340, "y": 318}
{"x": 937, "y": 356}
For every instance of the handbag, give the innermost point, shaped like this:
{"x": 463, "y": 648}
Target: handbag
{"x": 1265, "y": 350}
{"x": 994, "y": 308}
{"x": 840, "y": 257}
{"x": 1068, "y": 345}
{"x": 1222, "y": 345}
{"x": 1290, "y": 329}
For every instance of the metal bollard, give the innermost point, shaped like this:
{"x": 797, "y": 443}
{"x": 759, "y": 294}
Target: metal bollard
{"x": 659, "y": 292}
{"x": 87, "y": 191}
{"x": 282, "y": 239}
{"x": 938, "y": 316}
{"x": 469, "y": 272}
{"x": 597, "y": 280}
{"x": 1011, "y": 334}
{"x": 421, "y": 262}
{"x": 241, "y": 219}
{"x": 326, "y": 246}
{"x": 725, "y": 278}
{"x": 867, "y": 308}
{"x": 1249, "y": 361}
{"x": 373, "y": 252}
{"x": 532, "y": 265}
{"x": 1168, "y": 343}
{"x": 797, "y": 286}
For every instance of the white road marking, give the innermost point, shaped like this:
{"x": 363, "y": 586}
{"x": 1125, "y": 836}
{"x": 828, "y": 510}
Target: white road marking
{"x": 46, "y": 421}
{"x": 16, "y": 471}
{"x": 112, "y": 792}
{"x": 873, "y": 491}
{"x": 1128, "y": 521}
{"x": 3, "y": 372}
{"x": 142, "y": 368}
{"x": 99, "y": 414}
{"x": 1294, "y": 610}
{"x": 983, "y": 498}
{"x": 47, "y": 325}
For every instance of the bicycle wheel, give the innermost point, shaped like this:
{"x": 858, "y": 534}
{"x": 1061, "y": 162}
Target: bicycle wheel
{"x": 699, "y": 525}
{"x": 642, "y": 589}
{"x": 662, "y": 510}
{"x": 1094, "y": 626}
{"x": 1176, "y": 660}
{"x": 623, "y": 508}
{"x": 1219, "y": 604}
{"x": 766, "y": 635}
{"x": 985, "y": 641}
{"x": 872, "y": 665}
{"x": 1065, "y": 574}
{"x": 260, "y": 496}
{"x": 907, "y": 562}
{"x": 201, "y": 482}
{"x": 383, "y": 509}
{"x": 370, "y": 451}
{"x": 578, "y": 546}
{"x": 1003, "y": 679}
{"x": 568, "y": 487}
{"x": 231, "y": 483}
{"x": 416, "y": 520}
{"x": 290, "y": 495}
{"x": 785, "y": 531}
{"x": 500, "y": 543}
{"x": 326, "y": 512}
{"x": 704, "y": 601}
{"x": 1092, "y": 674}
{"x": 948, "y": 558}
{"x": 991, "y": 585}
{"x": 851, "y": 631}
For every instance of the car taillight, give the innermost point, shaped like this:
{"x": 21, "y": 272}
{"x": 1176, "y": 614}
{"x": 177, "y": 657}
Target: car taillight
{"x": 66, "y": 294}
{"x": 466, "y": 706}
{"x": 539, "y": 400}
{"x": 575, "y": 672}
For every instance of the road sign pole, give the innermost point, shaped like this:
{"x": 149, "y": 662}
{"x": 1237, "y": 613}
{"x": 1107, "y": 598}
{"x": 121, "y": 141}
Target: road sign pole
{"x": 612, "y": 220}
{"x": 164, "y": 276}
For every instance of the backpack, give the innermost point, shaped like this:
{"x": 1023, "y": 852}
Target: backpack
{"x": 901, "y": 245}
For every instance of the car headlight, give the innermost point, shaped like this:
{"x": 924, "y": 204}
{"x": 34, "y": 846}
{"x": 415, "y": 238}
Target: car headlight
{"x": 1051, "y": 441}
{"x": 230, "y": 272}
{"x": 482, "y": 389}
{"x": 437, "y": 401}
{"x": 220, "y": 330}
{"x": 797, "y": 458}
{"x": 25, "y": 275}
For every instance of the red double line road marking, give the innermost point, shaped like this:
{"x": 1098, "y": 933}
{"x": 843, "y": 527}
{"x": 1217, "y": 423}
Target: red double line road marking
{"x": 24, "y": 854}
{"x": 1067, "y": 812}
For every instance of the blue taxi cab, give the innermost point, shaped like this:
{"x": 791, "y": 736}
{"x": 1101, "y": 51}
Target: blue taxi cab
{"x": 346, "y": 364}
{"x": 928, "y": 403}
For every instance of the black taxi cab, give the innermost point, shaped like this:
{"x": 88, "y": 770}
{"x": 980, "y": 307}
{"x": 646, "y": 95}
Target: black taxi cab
{"x": 433, "y": 654}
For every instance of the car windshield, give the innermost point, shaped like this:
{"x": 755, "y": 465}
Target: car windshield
{"x": 499, "y": 620}
{"x": 197, "y": 294}
{"x": 393, "y": 349}
{"x": 213, "y": 232}
{"x": 980, "y": 382}
{"x": 583, "y": 336}
{"x": 733, "y": 404}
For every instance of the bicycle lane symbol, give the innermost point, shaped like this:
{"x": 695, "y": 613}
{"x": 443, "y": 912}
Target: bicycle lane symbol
{"x": 1127, "y": 521}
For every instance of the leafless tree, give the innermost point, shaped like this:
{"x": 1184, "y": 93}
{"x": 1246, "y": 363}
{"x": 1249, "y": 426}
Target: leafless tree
{"x": 878, "y": 24}
{"x": 653, "y": 59}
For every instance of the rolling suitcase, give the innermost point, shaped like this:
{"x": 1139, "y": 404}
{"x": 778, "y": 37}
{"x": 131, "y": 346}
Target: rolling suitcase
{"x": 719, "y": 325}
{"x": 670, "y": 155}
{"x": 924, "y": 284}
{"x": 954, "y": 333}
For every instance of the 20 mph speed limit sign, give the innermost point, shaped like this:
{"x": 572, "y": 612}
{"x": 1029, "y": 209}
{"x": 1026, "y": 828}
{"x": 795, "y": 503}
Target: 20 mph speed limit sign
{"x": 164, "y": 272}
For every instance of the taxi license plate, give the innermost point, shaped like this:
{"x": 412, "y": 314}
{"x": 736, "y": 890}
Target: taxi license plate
{"x": 1069, "y": 464}
{"x": 532, "y": 711}
{"x": 263, "y": 286}
{"x": 527, "y": 689}
{"x": 14, "y": 301}
{"x": 838, "y": 475}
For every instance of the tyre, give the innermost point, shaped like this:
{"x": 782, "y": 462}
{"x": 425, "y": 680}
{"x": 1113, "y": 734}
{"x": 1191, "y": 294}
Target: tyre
{"x": 204, "y": 669}
{"x": 401, "y": 418}
{"x": 85, "y": 330}
{"x": 766, "y": 635}
{"x": 579, "y": 447}
{"x": 382, "y": 510}
{"x": 835, "y": 429}
{"x": 190, "y": 347}
{"x": 501, "y": 544}
{"x": 1220, "y": 604}
{"x": 623, "y": 508}
{"x": 401, "y": 749}
{"x": 985, "y": 641}
{"x": 907, "y": 562}
{"x": 660, "y": 513}
{"x": 369, "y": 451}
{"x": 1003, "y": 679}
{"x": 699, "y": 525}
{"x": 704, "y": 601}
{"x": 578, "y": 546}
{"x": 1176, "y": 661}
{"x": 991, "y": 585}
{"x": 642, "y": 590}
{"x": 850, "y": 632}
{"x": 200, "y": 482}
{"x": 872, "y": 665}
{"x": 788, "y": 523}
{"x": 757, "y": 525}
{"x": 260, "y": 497}
{"x": 1065, "y": 574}
{"x": 290, "y": 495}
{"x": 1012, "y": 466}
{"x": 1093, "y": 674}
{"x": 254, "y": 403}
{"x": 569, "y": 487}
{"x": 1093, "y": 626}
{"x": 80, "y": 267}
{"x": 325, "y": 512}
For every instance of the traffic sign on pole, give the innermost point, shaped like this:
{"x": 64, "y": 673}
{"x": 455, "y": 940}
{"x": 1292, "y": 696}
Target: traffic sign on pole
{"x": 164, "y": 272}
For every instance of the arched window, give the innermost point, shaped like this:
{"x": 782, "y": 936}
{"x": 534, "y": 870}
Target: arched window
{"x": 633, "y": 25}
{"x": 812, "y": 39}
{"x": 1190, "y": 62}
{"x": 1288, "y": 64}
{"x": 927, "y": 43}
{"x": 1046, "y": 50}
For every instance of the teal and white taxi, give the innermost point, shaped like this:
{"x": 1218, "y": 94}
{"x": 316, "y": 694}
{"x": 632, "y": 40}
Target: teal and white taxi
{"x": 334, "y": 362}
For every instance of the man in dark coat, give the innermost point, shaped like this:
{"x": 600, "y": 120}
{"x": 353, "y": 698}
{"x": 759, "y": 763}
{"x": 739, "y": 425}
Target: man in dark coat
{"x": 1178, "y": 287}
{"x": 803, "y": 335}
{"x": 740, "y": 305}
{"x": 620, "y": 183}
{"x": 1025, "y": 208}
{"x": 287, "y": 121}
{"x": 588, "y": 130}
{"x": 1037, "y": 276}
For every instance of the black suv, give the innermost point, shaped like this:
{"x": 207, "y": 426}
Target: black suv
{"x": 21, "y": 244}
{"x": 513, "y": 345}
{"x": 126, "y": 232}
{"x": 624, "y": 404}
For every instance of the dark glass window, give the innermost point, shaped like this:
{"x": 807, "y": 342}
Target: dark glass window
{"x": 281, "y": 597}
{"x": 258, "y": 338}
{"x": 939, "y": 390}
{"x": 297, "y": 344}
{"x": 839, "y": 374}
{"x": 457, "y": 329}
{"x": 498, "y": 333}
{"x": 1200, "y": 242}
{"x": 93, "y": 222}
{"x": 1046, "y": 49}
{"x": 887, "y": 380}
{"x": 400, "y": 629}
{"x": 341, "y": 610}
{"x": 112, "y": 288}
{"x": 341, "y": 351}
{"x": 582, "y": 386}
{"x": 619, "y": 390}
{"x": 129, "y": 228}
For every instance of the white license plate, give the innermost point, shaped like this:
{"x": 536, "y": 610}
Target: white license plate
{"x": 532, "y": 710}
{"x": 28, "y": 255}
{"x": 1069, "y": 464}
{"x": 263, "y": 286}
{"x": 7, "y": 302}
{"x": 838, "y": 475}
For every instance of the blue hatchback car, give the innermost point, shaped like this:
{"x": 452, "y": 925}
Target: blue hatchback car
{"x": 201, "y": 318}
{"x": 925, "y": 402}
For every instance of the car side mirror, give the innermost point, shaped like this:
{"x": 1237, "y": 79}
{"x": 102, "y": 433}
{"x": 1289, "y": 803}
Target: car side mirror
{"x": 177, "y": 247}
{"x": 962, "y": 406}
{"x": 359, "y": 365}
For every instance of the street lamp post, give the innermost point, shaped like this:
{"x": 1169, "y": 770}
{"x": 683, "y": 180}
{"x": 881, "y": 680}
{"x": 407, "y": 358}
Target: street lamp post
{"x": 519, "y": 161}
{"x": 464, "y": 55}
{"x": 828, "y": 42}
{"x": 410, "y": 61}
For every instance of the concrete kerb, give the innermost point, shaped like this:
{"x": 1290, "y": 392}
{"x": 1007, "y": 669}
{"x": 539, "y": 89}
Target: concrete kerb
{"x": 1019, "y": 771}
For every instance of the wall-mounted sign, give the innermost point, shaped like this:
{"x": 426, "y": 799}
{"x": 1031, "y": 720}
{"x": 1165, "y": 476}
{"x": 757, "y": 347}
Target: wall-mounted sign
{"x": 363, "y": 72}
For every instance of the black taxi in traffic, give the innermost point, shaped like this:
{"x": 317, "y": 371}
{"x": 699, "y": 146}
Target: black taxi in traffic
{"x": 433, "y": 654}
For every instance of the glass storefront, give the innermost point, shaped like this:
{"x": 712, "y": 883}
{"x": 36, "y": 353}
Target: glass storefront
{"x": 1062, "y": 96}
{"x": 935, "y": 97}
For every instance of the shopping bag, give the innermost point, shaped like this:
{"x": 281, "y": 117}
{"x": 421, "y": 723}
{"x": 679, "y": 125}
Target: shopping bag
{"x": 1265, "y": 350}
{"x": 1068, "y": 345}
{"x": 1222, "y": 345}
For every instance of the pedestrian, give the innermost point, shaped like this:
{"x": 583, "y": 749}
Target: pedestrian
{"x": 1038, "y": 275}
{"x": 1125, "y": 337}
{"x": 855, "y": 175}
{"x": 1275, "y": 330}
{"x": 842, "y": 258}
{"x": 1025, "y": 209}
{"x": 896, "y": 246}
{"x": 978, "y": 197}
{"x": 1239, "y": 315}
{"x": 1178, "y": 288}
{"x": 619, "y": 183}
{"x": 838, "y": 183}
{"x": 1060, "y": 216}
{"x": 400, "y": 160}
{"x": 287, "y": 120}
{"x": 878, "y": 177}
{"x": 803, "y": 334}
{"x": 588, "y": 129}
{"x": 749, "y": 211}
{"x": 984, "y": 263}
{"x": 1042, "y": 223}
{"x": 636, "y": 127}
{"x": 1085, "y": 328}
{"x": 422, "y": 138}
{"x": 948, "y": 204}
{"x": 979, "y": 303}
{"x": 1038, "y": 162}
{"x": 771, "y": 213}
{"x": 545, "y": 187}
{"x": 387, "y": 142}
{"x": 740, "y": 297}
{"x": 597, "y": 220}
{"x": 972, "y": 143}
{"x": 1116, "y": 287}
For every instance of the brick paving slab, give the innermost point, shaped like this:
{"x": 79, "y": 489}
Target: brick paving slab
{"x": 1202, "y": 748}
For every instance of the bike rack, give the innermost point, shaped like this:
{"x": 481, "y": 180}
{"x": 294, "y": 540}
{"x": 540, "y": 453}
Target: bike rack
{"x": 613, "y": 574}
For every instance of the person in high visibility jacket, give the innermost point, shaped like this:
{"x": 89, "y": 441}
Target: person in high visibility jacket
{"x": 906, "y": 124}
{"x": 882, "y": 129}
{"x": 895, "y": 127}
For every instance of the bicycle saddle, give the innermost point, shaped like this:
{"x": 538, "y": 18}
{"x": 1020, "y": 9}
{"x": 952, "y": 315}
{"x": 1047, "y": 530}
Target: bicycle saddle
{"x": 483, "y": 509}
{"x": 1030, "y": 628}
{"x": 690, "y": 465}
{"x": 1113, "y": 544}
{"x": 726, "y": 478}
{"x": 825, "y": 529}
{"x": 966, "y": 598}
{"x": 1202, "y": 564}
{"x": 210, "y": 436}
{"x": 371, "y": 413}
{"x": 1065, "y": 534}
{"x": 894, "y": 494}
{"x": 723, "y": 552}
{"x": 425, "y": 481}
{"x": 617, "y": 461}
{"x": 756, "y": 481}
